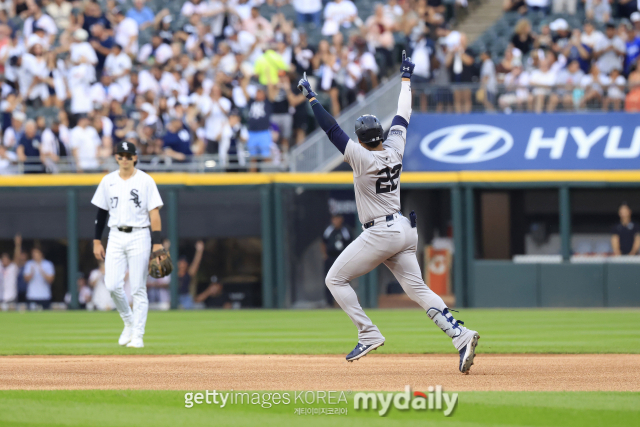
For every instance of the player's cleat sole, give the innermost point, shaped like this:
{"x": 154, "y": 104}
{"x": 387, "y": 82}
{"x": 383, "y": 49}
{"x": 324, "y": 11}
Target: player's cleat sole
{"x": 125, "y": 336}
{"x": 136, "y": 342}
{"x": 468, "y": 353}
{"x": 362, "y": 350}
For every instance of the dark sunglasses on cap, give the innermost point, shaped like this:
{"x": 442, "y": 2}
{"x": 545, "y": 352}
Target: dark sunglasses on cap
{"x": 122, "y": 156}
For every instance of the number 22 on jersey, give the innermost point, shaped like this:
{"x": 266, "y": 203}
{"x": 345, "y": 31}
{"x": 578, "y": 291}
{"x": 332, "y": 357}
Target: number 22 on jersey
{"x": 389, "y": 180}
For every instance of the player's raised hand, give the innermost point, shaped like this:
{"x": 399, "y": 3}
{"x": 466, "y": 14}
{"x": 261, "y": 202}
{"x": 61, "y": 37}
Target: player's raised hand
{"x": 407, "y": 66}
{"x": 305, "y": 87}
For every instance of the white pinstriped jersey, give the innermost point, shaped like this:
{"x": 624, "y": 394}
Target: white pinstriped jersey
{"x": 128, "y": 201}
{"x": 376, "y": 175}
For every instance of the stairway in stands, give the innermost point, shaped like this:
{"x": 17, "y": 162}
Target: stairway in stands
{"x": 480, "y": 18}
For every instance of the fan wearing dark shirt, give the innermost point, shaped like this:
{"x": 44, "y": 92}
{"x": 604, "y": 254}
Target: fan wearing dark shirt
{"x": 626, "y": 235}
{"x": 177, "y": 141}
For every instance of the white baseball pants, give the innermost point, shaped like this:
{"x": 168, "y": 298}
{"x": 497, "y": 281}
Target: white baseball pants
{"x": 129, "y": 250}
{"x": 393, "y": 243}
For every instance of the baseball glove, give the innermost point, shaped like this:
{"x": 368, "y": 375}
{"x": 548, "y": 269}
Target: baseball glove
{"x": 160, "y": 264}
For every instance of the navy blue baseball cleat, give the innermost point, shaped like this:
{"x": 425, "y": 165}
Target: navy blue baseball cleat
{"x": 468, "y": 352}
{"x": 361, "y": 350}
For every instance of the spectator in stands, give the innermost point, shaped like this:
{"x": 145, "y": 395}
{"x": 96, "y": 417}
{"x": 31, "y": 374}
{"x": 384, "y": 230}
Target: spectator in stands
{"x": 335, "y": 239}
{"x": 102, "y": 43}
{"x": 13, "y": 133}
{"x": 594, "y": 85}
{"x": 85, "y": 145}
{"x": 523, "y": 38}
{"x": 9, "y": 272}
{"x": 92, "y": 15}
{"x": 626, "y": 235}
{"x": 188, "y": 276}
{"x": 590, "y": 36}
{"x": 214, "y": 296}
{"x": 632, "y": 100}
{"x": 542, "y": 82}
{"x": 259, "y": 114}
{"x": 39, "y": 274}
{"x": 141, "y": 14}
{"x": 609, "y": 51}
{"x": 60, "y": 11}
{"x": 576, "y": 50}
{"x": 517, "y": 91}
{"x": 568, "y": 86}
{"x": 615, "y": 91}
{"x": 632, "y": 42}
{"x": 338, "y": 13}
{"x": 125, "y": 32}
{"x": 538, "y": 6}
{"x": 214, "y": 109}
{"x": 565, "y": 6}
{"x": 101, "y": 299}
{"x": 118, "y": 66}
{"x": 460, "y": 62}
{"x": 177, "y": 141}
{"x": 561, "y": 34}
{"x": 519, "y": 6}
{"x": 85, "y": 292}
{"x": 379, "y": 28}
{"x": 308, "y": 11}
{"x": 598, "y": 10}
{"x": 488, "y": 81}
{"x": 626, "y": 8}
{"x": 38, "y": 19}
{"x": 269, "y": 67}
{"x": 28, "y": 149}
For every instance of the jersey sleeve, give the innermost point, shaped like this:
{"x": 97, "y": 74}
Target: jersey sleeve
{"x": 397, "y": 137}
{"x": 358, "y": 158}
{"x": 153, "y": 196}
{"x": 100, "y": 198}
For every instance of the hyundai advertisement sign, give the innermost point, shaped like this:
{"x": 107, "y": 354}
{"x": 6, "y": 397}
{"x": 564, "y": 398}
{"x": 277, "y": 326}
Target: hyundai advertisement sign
{"x": 523, "y": 142}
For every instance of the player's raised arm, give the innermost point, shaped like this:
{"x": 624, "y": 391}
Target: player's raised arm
{"x": 404, "y": 102}
{"x": 328, "y": 124}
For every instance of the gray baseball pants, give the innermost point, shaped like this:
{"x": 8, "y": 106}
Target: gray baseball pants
{"x": 393, "y": 243}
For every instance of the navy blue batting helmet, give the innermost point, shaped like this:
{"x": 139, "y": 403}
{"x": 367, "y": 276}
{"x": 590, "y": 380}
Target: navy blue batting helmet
{"x": 369, "y": 129}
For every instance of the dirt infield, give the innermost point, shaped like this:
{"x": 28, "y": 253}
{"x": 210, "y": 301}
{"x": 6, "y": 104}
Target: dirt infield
{"x": 375, "y": 372}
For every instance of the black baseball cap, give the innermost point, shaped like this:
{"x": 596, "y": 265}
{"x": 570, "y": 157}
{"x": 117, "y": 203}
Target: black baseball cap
{"x": 126, "y": 147}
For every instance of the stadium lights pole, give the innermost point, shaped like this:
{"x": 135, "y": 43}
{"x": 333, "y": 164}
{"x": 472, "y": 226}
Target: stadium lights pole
{"x": 72, "y": 246}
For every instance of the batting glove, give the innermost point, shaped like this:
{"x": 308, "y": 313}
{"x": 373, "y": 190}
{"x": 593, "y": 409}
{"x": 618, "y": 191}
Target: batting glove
{"x": 407, "y": 66}
{"x": 305, "y": 87}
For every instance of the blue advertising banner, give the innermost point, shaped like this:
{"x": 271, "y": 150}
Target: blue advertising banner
{"x": 486, "y": 142}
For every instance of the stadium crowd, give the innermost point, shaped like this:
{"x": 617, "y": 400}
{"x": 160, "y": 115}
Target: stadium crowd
{"x": 546, "y": 64}
{"x": 186, "y": 79}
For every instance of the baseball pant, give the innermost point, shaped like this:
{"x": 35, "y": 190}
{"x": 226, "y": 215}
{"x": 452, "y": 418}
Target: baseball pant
{"x": 129, "y": 250}
{"x": 393, "y": 243}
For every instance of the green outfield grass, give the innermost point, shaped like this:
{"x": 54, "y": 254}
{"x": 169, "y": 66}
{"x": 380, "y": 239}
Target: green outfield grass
{"x": 319, "y": 332}
{"x": 166, "y": 408}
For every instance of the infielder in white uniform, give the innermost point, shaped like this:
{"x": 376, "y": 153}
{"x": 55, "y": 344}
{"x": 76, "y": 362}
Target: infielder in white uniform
{"x": 132, "y": 202}
{"x": 388, "y": 237}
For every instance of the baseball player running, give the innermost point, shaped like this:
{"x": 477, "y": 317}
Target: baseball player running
{"x": 388, "y": 237}
{"x": 130, "y": 198}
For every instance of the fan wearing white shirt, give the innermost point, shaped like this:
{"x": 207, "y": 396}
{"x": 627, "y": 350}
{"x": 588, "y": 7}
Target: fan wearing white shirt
{"x": 9, "y": 273}
{"x": 118, "y": 66}
{"x": 615, "y": 92}
{"x": 41, "y": 20}
{"x": 155, "y": 52}
{"x": 543, "y": 81}
{"x": 39, "y": 274}
{"x": 215, "y": 109}
{"x": 338, "y": 13}
{"x": 126, "y": 33}
{"x": 85, "y": 145}
{"x": 80, "y": 50}
{"x": 33, "y": 73}
{"x": 594, "y": 85}
{"x": 149, "y": 80}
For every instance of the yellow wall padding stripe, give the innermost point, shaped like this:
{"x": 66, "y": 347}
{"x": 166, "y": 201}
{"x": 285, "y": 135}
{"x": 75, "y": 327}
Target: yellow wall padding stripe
{"x": 63, "y": 180}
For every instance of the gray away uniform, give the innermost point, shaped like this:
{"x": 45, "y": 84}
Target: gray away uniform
{"x": 376, "y": 176}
